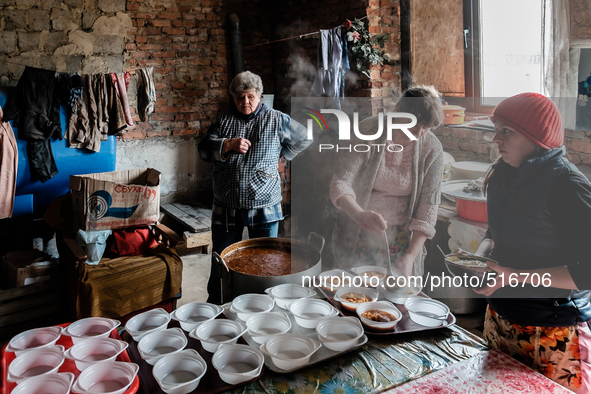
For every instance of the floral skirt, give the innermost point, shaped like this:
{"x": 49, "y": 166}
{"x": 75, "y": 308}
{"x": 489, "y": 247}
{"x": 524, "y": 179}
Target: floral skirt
{"x": 371, "y": 248}
{"x": 552, "y": 351}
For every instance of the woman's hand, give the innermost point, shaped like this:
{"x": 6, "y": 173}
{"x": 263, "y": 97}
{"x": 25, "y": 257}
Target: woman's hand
{"x": 236, "y": 144}
{"x": 371, "y": 221}
{"x": 487, "y": 290}
{"x": 404, "y": 265}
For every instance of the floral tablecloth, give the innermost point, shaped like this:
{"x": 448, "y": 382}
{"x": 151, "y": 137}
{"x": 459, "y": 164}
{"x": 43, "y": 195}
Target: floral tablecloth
{"x": 381, "y": 364}
{"x": 491, "y": 372}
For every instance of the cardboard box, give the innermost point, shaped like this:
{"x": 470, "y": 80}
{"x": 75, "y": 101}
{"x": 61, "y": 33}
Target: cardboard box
{"x": 119, "y": 199}
{"x": 27, "y": 267}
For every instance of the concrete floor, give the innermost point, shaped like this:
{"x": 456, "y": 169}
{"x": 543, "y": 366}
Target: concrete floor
{"x": 196, "y": 273}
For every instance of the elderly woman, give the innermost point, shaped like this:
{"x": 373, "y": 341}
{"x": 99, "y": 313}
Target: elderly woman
{"x": 539, "y": 215}
{"x": 245, "y": 144}
{"x": 391, "y": 189}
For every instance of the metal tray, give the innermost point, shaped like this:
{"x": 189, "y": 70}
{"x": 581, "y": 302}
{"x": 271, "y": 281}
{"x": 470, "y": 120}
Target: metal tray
{"x": 321, "y": 355}
{"x": 210, "y": 382}
{"x": 405, "y": 325}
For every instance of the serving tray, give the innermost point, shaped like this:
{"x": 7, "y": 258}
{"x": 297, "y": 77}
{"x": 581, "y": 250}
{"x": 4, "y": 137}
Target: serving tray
{"x": 321, "y": 355}
{"x": 210, "y": 382}
{"x": 405, "y": 324}
{"x": 68, "y": 366}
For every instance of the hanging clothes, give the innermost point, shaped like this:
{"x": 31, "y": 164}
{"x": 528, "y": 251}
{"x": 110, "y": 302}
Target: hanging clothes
{"x": 121, "y": 82}
{"x": 116, "y": 114}
{"x": 34, "y": 107}
{"x": 330, "y": 56}
{"x": 8, "y": 168}
{"x": 146, "y": 93}
{"x": 69, "y": 89}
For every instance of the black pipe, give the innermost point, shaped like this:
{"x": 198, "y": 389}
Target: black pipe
{"x": 236, "y": 42}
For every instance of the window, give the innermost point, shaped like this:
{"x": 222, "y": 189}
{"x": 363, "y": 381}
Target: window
{"x": 504, "y": 50}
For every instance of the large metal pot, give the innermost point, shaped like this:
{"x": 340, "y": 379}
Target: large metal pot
{"x": 235, "y": 283}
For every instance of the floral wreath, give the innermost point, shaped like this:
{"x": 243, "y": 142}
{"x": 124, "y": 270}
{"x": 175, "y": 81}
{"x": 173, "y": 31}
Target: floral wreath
{"x": 366, "y": 48}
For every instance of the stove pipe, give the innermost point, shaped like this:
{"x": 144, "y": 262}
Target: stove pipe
{"x": 236, "y": 42}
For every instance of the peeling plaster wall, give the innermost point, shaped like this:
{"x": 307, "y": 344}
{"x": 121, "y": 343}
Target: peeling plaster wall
{"x": 86, "y": 36}
{"x": 175, "y": 158}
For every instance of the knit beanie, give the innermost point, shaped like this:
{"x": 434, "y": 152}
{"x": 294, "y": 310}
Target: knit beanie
{"x": 533, "y": 115}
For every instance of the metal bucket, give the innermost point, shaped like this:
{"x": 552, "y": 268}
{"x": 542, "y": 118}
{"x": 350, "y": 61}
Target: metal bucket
{"x": 235, "y": 283}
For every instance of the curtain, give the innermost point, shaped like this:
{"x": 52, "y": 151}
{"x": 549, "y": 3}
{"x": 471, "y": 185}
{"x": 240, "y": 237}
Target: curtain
{"x": 560, "y": 63}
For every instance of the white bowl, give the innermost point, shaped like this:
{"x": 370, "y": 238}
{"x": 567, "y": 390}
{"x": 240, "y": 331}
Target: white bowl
{"x": 110, "y": 377}
{"x": 147, "y": 322}
{"x": 248, "y": 304}
{"x": 262, "y": 326}
{"x": 290, "y": 351}
{"x": 366, "y": 272}
{"x": 383, "y": 306}
{"x": 91, "y": 351}
{"x": 238, "y": 363}
{"x": 399, "y": 295}
{"x": 426, "y": 311}
{"x": 191, "y": 315}
{"x": 53, "y": 383}
{"x": 339, "y": 333}
{"x": 34, "y": 339}
{"x": 179, "y": 373}
{"x": 90, "y": 327}
{"x": 158, "y": 344}
{"x": 288, "y": 292}
{"x": 215, "y": 332}
{"x": 309, "y": 311}
{"x": 327, "y": 280}
{"x": 369, "y": 293}
{"x": 36, "y": 362}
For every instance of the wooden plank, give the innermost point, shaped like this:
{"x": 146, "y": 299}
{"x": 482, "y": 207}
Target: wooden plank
{"x": 31, "y": 314}
{"x": 21, "y": 291}
{"x": 31, "y": 302}
{"x": 194, "y": 240}
{"x": 193, "y": 223}
{"x": 203, "y": 215}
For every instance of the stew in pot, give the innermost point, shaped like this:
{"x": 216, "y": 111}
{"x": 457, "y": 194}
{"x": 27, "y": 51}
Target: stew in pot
{"x": 266, "y": 261}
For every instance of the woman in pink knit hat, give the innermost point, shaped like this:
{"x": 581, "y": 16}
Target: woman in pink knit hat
{"x": 539, "y": 216}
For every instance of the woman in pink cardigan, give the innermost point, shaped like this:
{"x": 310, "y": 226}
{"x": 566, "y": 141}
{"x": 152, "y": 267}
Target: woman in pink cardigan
{"x": 393, "y": 189}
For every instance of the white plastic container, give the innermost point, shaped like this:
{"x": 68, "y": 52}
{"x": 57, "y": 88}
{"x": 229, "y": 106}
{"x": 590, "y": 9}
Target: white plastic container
{"x": 238, "y": 363}
{"x": 36, "y": 362}
{"x": 426, "y": 311}
{"x": 90, "y": 327}
{"x": 383, "y": 306}
{"x": 248, "y": 304}
{"x": 370, "y": 271}
{"x": 110, "y": 377}
{"x": 158, "y": 344}
{"x": 289, "y": 292}
{"x": 147, "y": 322}
{"x": 309, "y": 311}
{"x": 399, "y": 295}
{"x": 339, "y": 333}
{"x": 191, "y": 315}
{"x": 262, "y": 326}
{"x": 369, "y": 293}
{"x": 215, "y": 332}
{"x": 54, "y": 383}
{"x": 290, "y": 351}
{"x": 91, "y": 351}
{"x": 179, "y": 373}
{"x": 329, "y": 282}
{"x": 34, "y": 339}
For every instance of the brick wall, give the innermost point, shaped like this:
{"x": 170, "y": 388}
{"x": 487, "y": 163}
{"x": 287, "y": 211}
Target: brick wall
{"x": 187, "y": 43}
{"x": 477, "y": 145}
{"x": 296, "y": 59}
